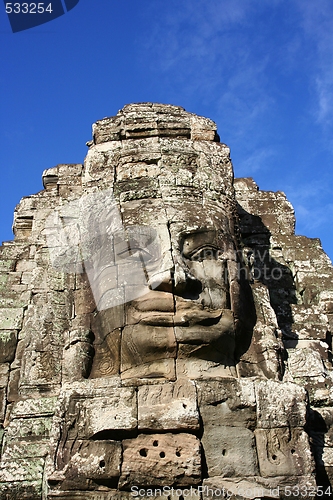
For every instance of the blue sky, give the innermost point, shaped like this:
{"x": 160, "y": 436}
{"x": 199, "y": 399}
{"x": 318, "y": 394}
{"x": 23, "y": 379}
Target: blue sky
{"x": 263, "y": 70}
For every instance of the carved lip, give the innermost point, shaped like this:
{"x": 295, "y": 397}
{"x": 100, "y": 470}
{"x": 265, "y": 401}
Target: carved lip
{"x": 165, "y": 309}
{"x": 155, "y": 302}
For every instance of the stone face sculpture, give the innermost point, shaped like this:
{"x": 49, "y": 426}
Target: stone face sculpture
{"x": 162, "y": 326}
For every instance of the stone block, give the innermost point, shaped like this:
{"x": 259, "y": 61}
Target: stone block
{"x": 161, "y": 460}
{"x": 230, "y": 402}
{"x": 25, "y": 428}
{"x": 21, "y": 490}
{"x": 240, "y": 393}
{"x": 169, "y": 406}
{"x": 236, "y": 489}
{"x": 11, "y": 318}
{"x": 22, "y": 469}
{"x": 3, "y": 403}
{"x": 8, "y": 342}
{"x": 229, "y": 451}
{"x": 27, "y": 448}
{"x": 13, "y": 384}
{"x": 117, "y": 411}
{"x": 26, "y": 278}
{"x": 283, "y": 451}
{"x": 39, "y": 280}
{"x": 309, "y": 322}
{"x": 305, "y": 362}
{"x": 41, "y": 367}
{"x": 327, "y": 456}
{"x": 280, "y": 404}
{"x": 50, "y": 177}
{"x": 110, "y": 494}
{"x": 257, "y": 487}
{"x": 4, "y": 372}
{"x": 7, "y": 265}
{"x": 326, "y": 301}
{"x": 11, "y": 299}
{"x": 90, "y": 460}
{"x": 41, "y": 407}
{"x": 25, "y": 265}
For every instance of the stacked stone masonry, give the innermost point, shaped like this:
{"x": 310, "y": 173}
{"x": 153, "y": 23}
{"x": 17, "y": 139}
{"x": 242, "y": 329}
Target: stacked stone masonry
{"x": 162, "y": 326}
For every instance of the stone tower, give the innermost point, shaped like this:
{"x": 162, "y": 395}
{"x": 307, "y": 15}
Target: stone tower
{"x": 163, "y": 331}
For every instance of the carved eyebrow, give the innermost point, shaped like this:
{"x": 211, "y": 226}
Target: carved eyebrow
{"x": 203, "y": 247}
{"x": 192, "y": 242}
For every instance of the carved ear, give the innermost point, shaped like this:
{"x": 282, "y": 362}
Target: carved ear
{"x": 63, "y": 237}
{"x": 74, "y": 231}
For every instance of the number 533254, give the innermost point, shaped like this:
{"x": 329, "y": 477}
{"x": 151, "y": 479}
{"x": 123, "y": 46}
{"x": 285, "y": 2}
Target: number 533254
{"x": 28, "y": 8}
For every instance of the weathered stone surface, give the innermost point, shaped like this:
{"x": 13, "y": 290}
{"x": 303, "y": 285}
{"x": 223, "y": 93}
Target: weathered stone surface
{"x": 280, "y": 405}
{"x": 223, "y": 450}
{"x": 106, "y": 360}
{"x": 169, "y": 406}
{"x": 115, "y": 412}
{"x": 11, "y": 318}
{"x": 283, "y": 451}
{"x": 143, "y": 346}
{"x": 229, "y": 402}
{"x": 259, "y": 487}
{"x": 162, "y": 325}
{"x": 44, "y": 406}
{"x": 88, "y": 461}
{"x": 8, "y": 342}
{"x": 161, "y": 460}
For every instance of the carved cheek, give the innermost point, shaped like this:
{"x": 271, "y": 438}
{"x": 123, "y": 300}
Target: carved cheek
{"x": 210, "y": 273}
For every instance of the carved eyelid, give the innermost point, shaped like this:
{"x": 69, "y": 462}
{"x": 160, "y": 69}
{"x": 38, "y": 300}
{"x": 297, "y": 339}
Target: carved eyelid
{"x": 203, "y": 248}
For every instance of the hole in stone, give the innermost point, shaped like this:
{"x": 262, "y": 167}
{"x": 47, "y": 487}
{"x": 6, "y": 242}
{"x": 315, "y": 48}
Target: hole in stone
{"x": 155, "y": 443}
{"x": 293, "y": 451}
{"x": 162, "y": 454}
{"x": 178, "y": 453}
{"x": 102, "y": 463}
{"x": 223, "y": 452}
{"x": 143, "y": 452}
{"x": 274, "y": 457}
{"x": 184, "y": 405}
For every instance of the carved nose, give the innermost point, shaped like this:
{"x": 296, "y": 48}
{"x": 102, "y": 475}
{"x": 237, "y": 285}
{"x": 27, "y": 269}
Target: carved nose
{"x": 175, "y": 280}
{"x": 161, "y": 281}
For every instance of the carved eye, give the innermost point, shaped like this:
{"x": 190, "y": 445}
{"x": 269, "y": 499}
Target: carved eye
{"x": 206, "y": 253}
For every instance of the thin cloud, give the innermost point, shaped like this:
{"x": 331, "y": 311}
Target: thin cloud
{"x": 203, "y": 48}
{"x": 314, "y": 218}
{"x": 312, "y": 205}
{"x": 317, "y": 21}
{"x": 256, "y": 161}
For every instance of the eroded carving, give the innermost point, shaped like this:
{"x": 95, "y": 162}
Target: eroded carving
{"x": 161, "y": 324}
